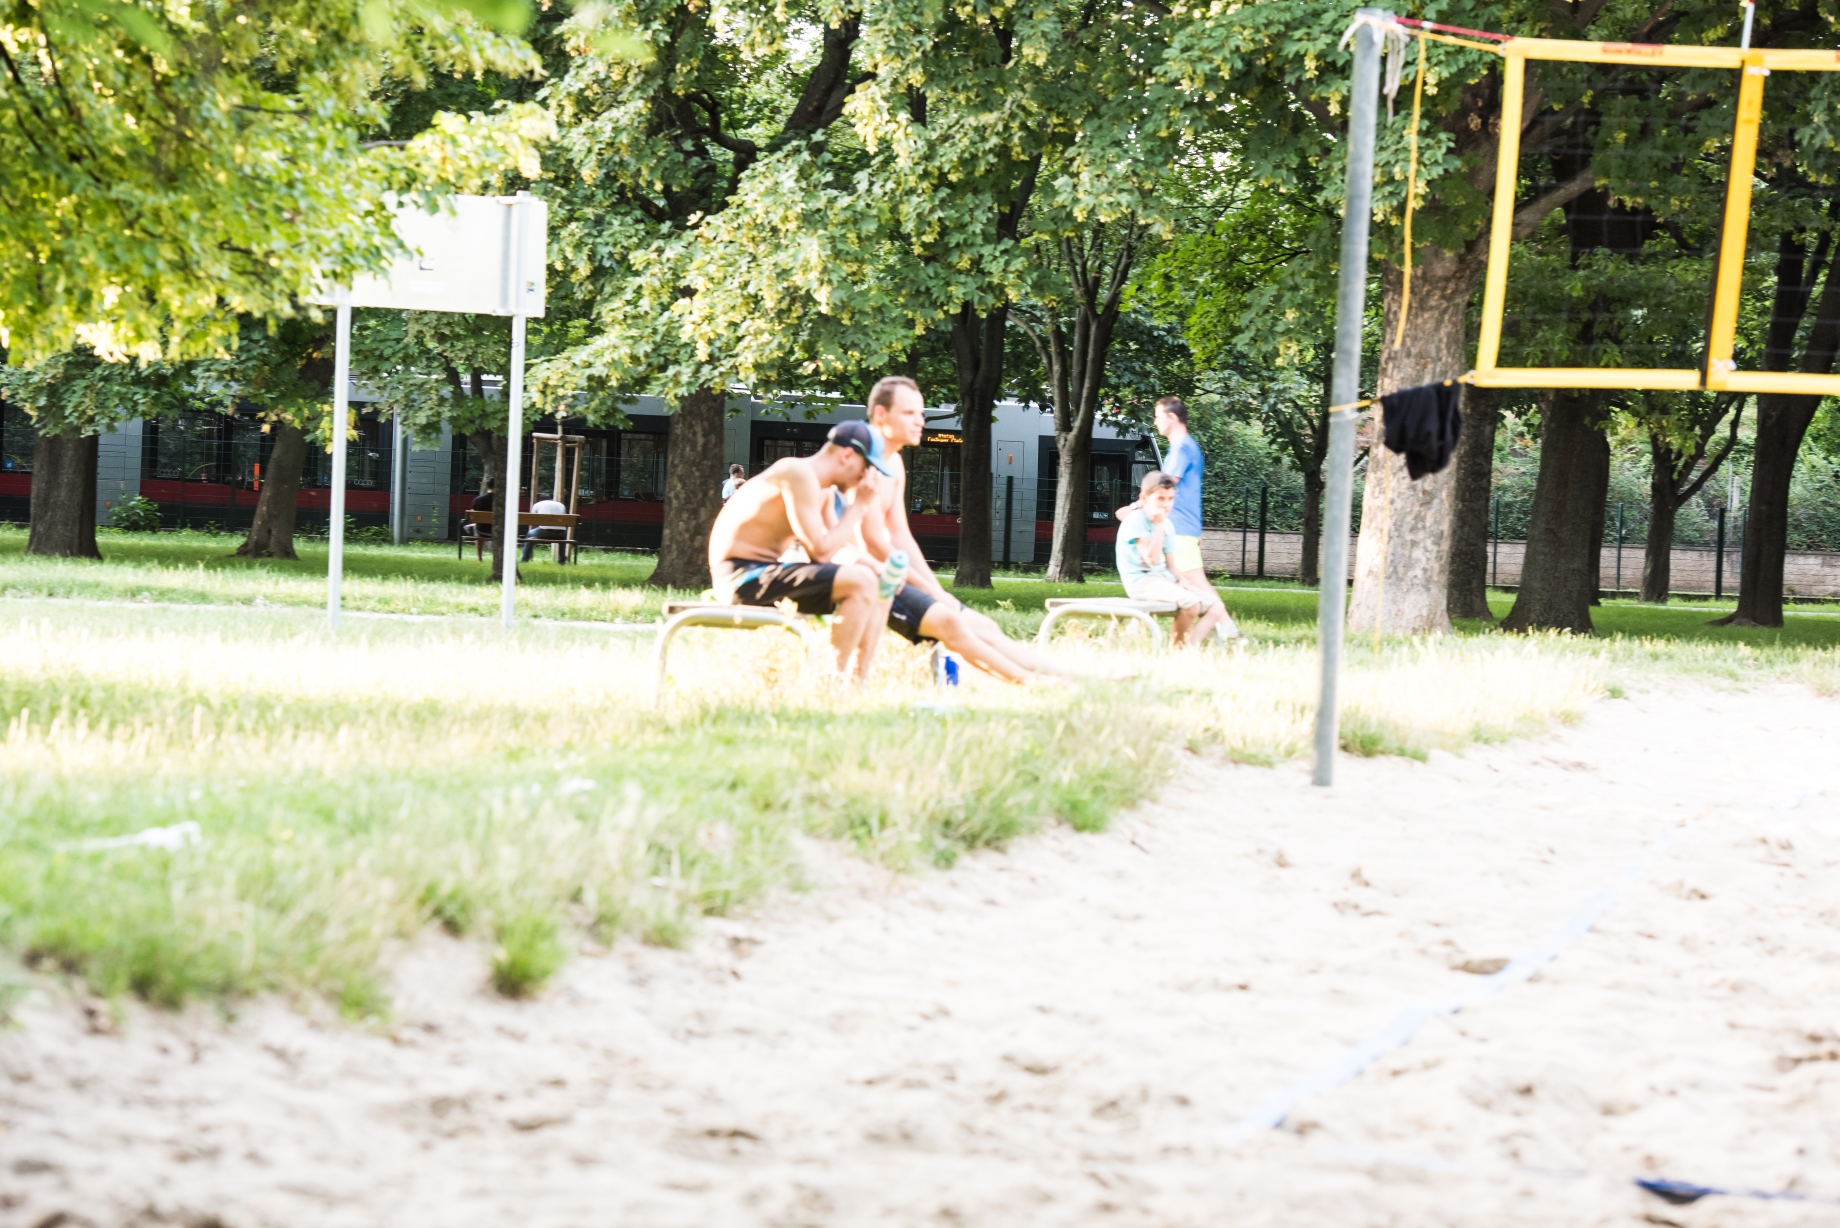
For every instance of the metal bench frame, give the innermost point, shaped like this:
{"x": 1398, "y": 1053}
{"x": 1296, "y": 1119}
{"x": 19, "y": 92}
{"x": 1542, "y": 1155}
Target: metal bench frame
{"x": 681, "y": 614}
{"x": 1106, "y": 607}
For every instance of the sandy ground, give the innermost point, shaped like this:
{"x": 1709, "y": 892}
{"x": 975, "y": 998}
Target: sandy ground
{"x": 1065, "y": 1033}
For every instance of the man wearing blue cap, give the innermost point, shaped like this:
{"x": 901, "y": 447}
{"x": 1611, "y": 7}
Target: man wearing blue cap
{"x": 784, "y": 506}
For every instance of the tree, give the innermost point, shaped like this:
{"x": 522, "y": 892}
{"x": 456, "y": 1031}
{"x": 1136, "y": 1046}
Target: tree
{"x": 431, "y": 368}
{"x": 282, "y": 370}
{"x": 72, "y": 397}
{"x": 176, "y": 169}
{"x": 173, "y": 167}
{"x": 707, "y": 228}
{"x": 1278, "y": 62}
{"x": 1072, "y": 329}
{"x": 1256, "y": 291}
{"x": 1806, "y": 256}
{"x": 1468, "y": 592}
{"x": 979, "y": 121}
{"x": 1679, "y": 439}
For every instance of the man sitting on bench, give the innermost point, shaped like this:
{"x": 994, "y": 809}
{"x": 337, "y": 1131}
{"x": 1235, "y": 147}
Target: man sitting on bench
{"x": 923, "y": 610}
{"x": 783, "y": 507}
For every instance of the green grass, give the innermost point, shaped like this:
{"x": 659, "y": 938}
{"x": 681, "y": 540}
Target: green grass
{"x": 355, "y": 791}
{"x": 421, "y": 578}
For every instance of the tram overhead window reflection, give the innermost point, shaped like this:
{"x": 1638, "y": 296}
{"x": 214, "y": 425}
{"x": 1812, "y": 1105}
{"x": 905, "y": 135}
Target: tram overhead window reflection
{"x": 934, "y": 474}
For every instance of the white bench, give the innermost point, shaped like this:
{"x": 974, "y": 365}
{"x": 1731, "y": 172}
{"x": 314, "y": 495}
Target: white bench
{"x": 681, "y": 614}
{"x": 1146, "y": 612}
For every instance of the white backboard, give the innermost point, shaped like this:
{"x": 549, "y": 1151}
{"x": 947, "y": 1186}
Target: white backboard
{"x": 464, "y": 259}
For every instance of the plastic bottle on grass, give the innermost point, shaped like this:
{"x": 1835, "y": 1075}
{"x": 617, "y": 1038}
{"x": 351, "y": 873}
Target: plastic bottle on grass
{"x": 894, "y": 572}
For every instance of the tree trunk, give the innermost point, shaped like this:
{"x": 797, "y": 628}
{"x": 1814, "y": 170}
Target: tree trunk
{"x": 491, "y": 448}
{"x": 271, "y": 532}
{"x": 1555, "y": 591}
{"x": 1782, "y": 421}
{"x": 1658, "y": 550}
{"x": 64, "y": 497}
{"x": 1309, "y": 570}
{"x": 1072, "y": 491}
{"x": 693, "y": 490}
{"x": 1402, "y": 561}
{"x": 1600, "y": 506}
{"x": 977, "y": 346}
{"x": 1469, "y": 515}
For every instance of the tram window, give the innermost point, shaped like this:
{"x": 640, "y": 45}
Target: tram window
{"x": 18, "y": 436}
{"x": 933, "y": 480}
{"x": 771, "y": 450}
{"x": 642, "y": 465}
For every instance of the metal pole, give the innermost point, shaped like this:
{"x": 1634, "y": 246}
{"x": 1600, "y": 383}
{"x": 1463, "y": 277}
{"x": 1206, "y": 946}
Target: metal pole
{"x": 1009, "y": 514}
{"x": 1718, "y": 562}
{"x": 1264, "y": 508}
{"x": 1495, "y": 564}
{"x": 514, "y": 417}
{"x": 1245, "y": 526}
{"x": 1744, "y": 541}
{"x": 399, "y": 469}
{"x": 1619, "y": 548}
{"x": 1750, "y": 11}
{"x": 1345, "y": 385}
{"x": 341, "y": 411}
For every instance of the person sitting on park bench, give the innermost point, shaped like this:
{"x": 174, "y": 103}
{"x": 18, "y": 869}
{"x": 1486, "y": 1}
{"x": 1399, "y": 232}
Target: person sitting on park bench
{"x": 545, "y": 532}
{"x": 1143, "y": 564}
{"x": 922, "y": 609}
{"x": 481, "y": 503}
{"x": 784, "y": 507}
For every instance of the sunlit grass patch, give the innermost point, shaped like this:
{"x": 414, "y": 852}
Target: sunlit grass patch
{"x": 524, "y": 792}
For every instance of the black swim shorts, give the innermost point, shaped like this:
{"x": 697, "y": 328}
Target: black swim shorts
{"x": 807, "y": 585}
{"x": 910, "y": 606}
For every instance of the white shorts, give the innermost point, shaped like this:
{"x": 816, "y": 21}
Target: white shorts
{"x": 1162, "y": 588}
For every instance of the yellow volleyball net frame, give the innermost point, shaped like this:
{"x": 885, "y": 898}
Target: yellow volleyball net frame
{"x": 1720, "y": 371}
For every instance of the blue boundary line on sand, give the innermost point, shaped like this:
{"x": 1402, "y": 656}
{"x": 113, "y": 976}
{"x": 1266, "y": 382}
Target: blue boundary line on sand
{"x": 1398, "y": 1031}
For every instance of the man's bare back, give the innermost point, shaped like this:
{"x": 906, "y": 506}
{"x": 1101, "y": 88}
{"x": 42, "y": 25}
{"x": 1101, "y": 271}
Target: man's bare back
{"x": 785, "y": 505}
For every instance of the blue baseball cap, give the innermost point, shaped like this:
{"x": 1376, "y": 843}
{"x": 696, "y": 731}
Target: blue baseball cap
{"x": 863, "y": 439}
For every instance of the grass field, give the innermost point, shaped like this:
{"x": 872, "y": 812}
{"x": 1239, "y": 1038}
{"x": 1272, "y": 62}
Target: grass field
{"x": 351, "y": 790}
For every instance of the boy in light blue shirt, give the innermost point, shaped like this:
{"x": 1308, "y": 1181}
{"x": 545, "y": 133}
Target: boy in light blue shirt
{"x": 1143, "y": 543}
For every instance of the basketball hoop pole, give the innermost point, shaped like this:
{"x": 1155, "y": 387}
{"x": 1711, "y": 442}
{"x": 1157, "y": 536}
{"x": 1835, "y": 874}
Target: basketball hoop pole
{"x": 514, "y": 430}
{"x": 341, "y": 412}
{"x": 1345, "y": 383}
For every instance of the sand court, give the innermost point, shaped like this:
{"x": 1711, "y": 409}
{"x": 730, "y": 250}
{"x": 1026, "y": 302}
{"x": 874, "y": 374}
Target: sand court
{"x": 1067, "y": 1032}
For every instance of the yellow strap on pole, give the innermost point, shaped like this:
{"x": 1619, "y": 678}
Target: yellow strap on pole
{"x": 1418, "y": 98}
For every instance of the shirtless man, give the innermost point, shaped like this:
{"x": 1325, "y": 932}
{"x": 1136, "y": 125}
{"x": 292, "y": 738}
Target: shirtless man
{"x": 923, "y": 610}
{"x": 785, "y": 505}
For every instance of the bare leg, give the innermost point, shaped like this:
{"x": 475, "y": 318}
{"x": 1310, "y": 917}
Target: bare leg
{"x": 1022, "y": 656}
{"x": 1185, "y": 619}
{"x": 1210, "y": 619}
{"x": 1197, "y": 579}
{"x": 951, "y": 628}
{"x": 857, "y": 614}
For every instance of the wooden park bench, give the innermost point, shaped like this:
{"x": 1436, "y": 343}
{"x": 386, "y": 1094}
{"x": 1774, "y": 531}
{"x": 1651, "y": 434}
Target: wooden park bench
{"x": 483, "y": 521}
{"x": 1145, "y": 612}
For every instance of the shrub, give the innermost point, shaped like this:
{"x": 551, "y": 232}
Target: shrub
{"x": 136, "y": 515}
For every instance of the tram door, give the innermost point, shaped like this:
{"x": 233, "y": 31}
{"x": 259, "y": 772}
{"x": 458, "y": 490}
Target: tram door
{"x": 1009, "y": 517}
